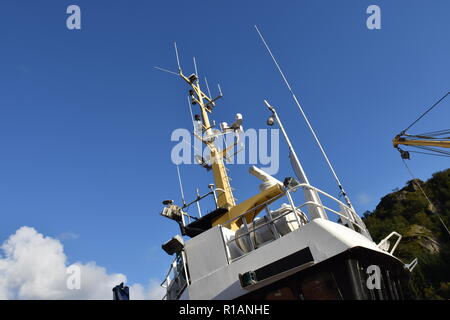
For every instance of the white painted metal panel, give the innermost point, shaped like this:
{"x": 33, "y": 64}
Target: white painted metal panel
{"x": 205, "y": 253}
{"x": 324, "y": 238}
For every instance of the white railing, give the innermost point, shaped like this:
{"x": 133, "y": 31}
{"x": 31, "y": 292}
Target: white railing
{"x": 385, "y": 244}
{"x": 347, "y": 214}
{"x": 177, "y": 274}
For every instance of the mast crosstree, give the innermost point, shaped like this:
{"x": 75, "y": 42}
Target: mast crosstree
{"x": 225, "y": 198}
{"x": 224, "y": 192}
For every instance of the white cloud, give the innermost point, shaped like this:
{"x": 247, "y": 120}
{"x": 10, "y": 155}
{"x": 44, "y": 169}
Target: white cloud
{"x": 67, "y": 236}
{"x": 33, "y": 266}
{"x": 364, "y": 199}
{"x": 153, "y": 291}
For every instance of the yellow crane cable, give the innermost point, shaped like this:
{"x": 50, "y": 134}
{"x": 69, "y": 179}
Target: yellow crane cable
{"x": 426, "y": 197}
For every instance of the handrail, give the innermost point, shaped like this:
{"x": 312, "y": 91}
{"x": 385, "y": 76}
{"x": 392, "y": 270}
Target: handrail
{"x": 248, "y": 232}
{"x": 254, "y": 208}
{"x": 332, "y": 210}
{"x": 284, "y": 214}
{"x": 351, "y": 216}
{"x": 168, "y": 273}
{"x": 172, "y": 267}
{"x": 351, "y": 210}
{"x": 260, "y": 226}
{"x": 305, "y": 185}
{"x": 168, "y": 280}
{"x": 382, "y": 242}
{"x": 410, "y": 266}
{"x": 329, "y": 196}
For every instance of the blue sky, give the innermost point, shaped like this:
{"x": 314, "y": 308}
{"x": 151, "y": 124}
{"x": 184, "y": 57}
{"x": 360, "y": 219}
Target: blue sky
{"x": 85, "y": 120}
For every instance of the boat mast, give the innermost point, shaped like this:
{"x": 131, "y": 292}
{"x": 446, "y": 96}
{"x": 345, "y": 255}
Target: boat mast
{"x": 229, "y": 212}
{"x": 225, "y": 198}
{"x": 315, "y": 207}
{"x": 338, "y": 182}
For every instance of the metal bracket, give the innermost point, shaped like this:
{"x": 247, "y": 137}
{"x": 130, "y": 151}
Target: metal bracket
{"x": 385, "y": 245}
{"x": 410, "y": 267}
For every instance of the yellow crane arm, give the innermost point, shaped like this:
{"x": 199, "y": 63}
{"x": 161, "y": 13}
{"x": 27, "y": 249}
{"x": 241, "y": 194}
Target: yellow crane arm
{"x": 399, "y": 140}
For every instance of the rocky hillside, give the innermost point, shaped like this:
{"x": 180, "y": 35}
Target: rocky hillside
{"x": 408, "y": 212}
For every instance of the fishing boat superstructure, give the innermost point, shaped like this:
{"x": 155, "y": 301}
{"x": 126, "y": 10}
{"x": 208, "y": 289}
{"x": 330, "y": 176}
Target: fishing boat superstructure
{"x": 316, "y": 249}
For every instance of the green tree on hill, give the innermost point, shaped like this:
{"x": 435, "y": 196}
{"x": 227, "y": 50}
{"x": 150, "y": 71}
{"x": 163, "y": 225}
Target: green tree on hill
{"x": 408, "y": 212}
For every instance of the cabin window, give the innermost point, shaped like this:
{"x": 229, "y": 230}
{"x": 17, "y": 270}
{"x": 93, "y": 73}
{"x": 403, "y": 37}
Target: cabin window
{"x": 281, "y": 294}
{"x": 320, "y": 286}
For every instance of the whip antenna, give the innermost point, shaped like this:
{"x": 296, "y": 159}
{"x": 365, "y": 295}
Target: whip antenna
{"x": 165, "y": 70}
{"x": 178, "y": 59}
{"x": 306, "y": 119}
{"x": 181, "y": 186}
{"x": 190, "y": 110}
{"x": 195, "y": 67}
{"x": 207, "y": 87}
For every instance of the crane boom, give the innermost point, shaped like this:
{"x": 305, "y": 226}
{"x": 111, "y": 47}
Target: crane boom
{"x": 399, "y": 140}
{"x": 428, "y": 141}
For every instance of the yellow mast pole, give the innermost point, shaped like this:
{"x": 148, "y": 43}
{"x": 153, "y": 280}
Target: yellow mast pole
{"x": 225, "y": 198}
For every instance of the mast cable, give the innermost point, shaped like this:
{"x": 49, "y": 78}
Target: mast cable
{"x": 429, "y": 109}
{"x": 435, "y": 133}
{"x": 443, "y": 152}
{"x": 165, "y": 70}
{"x": 181, "y": 186}
{"x": 426, "y": 197}
{"x": 430, "y": 154}
{"x": 306, "y": 119}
